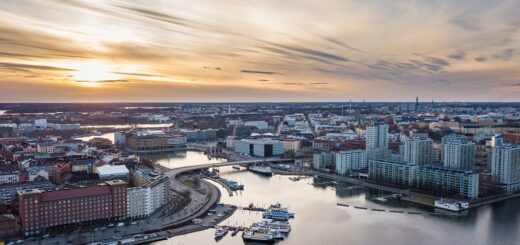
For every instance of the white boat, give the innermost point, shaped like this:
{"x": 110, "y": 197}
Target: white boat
{"x": 257, "y": 236}
{"x": 221, "y": 232}
{"x": 283, "y": 227}
{"x": 261, "y": 170}
{"x": 452, "y": 205}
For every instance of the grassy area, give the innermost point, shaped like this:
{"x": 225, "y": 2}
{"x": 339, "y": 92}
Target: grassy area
{"x": 189, "y": 182}
{"x": 425, "y": 200}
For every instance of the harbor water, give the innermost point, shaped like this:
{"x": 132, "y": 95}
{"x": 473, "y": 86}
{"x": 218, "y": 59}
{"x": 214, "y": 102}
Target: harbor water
{"x": 319, "y": 220}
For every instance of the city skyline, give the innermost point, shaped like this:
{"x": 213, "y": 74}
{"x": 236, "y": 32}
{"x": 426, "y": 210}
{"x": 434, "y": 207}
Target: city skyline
{"x": 258, "y": 51}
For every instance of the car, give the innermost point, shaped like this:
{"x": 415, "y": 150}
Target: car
{"x": 133, "y": 223}
{"x": 120, "y": 224}
{"x": 46, "y": 236}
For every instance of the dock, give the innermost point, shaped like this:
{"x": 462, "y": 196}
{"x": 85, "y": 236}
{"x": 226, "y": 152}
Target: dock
{"x": 397, "y": 211}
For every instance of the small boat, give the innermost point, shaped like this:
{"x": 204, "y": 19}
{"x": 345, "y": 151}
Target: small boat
{"x": 276, "y": 215}
{"x": 221, "y": 232}
{"x": 451, "y": 205}
{"x": 257, "y": 236}
{"x": 261, "y": 170}
{"x": 281, "y": 226}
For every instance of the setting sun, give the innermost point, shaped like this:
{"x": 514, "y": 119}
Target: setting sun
{"x": 92, "y": 73}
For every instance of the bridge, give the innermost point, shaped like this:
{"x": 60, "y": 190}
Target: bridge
{"x": 176, "y": 171}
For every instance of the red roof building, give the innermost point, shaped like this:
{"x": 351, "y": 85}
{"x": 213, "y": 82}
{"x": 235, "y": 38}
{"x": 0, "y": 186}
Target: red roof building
{"x": 42, "y": 211}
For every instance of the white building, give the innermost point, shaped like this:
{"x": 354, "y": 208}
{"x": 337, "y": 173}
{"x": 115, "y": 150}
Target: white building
{"x": 377, "y": 136}
{"x": 418, "y": 151}
{"x": 145, "y": 200}
{"x": 9, "y": 178}
{"x": 108, "y": 172}
{"x": 322, "y": 160}
{"x": 258, "y": 124}
{"x": 505, "y": 166}
{"x": 138, "y": 202}
{"x": 347, "y": 161}
{"x": 459, "y": 154}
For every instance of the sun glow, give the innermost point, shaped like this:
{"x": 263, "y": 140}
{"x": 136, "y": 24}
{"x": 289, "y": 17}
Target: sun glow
{"x": 93, "y": 73}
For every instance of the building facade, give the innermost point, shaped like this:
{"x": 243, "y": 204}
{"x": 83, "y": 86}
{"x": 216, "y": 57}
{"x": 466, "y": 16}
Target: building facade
{"x": 347, "y": 161}
{"x": 322, "y": 160}
{"x": 418, "y": 151}
{"x": 259, "y": 147}
{"x": 392, "y": 172}
{"x": 448, "y": 182}
{"x": 41, "y": 211}
{"x": 505, "y": 166}
{"x": 459, "y": 154}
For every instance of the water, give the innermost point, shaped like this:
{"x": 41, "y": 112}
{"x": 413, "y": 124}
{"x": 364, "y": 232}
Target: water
{"x": 124, "y": 126}
{"x": 181, "y": 158}
{"x": 109, "y": 136}
{"x": 320, "y": 221}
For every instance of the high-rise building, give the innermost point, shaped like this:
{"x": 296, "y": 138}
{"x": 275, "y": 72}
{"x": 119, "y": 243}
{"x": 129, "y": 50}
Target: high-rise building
{"x": 448, "y": 182}
{"x": 392, "y": 172}
{"x": 347, "y": 161}
{"x": 323, "y": 159}
{"x": 418, "y": 151}
{"x": 459, "y": 154}
{"x": 505, "y": 166}
{"x": 377, "y": 136}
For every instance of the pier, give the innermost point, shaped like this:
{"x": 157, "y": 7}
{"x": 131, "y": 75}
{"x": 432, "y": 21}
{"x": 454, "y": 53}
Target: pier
{"x": 397, "y": 211}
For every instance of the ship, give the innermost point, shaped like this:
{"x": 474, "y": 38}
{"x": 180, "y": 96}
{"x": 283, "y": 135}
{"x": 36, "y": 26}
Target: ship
{"x": 261, "y": 170}
{"x": 451, "y": 205}
{"x": 278, "y": 207}
{"x": 221, "y": 232}
{"x": 282, "y": 215}
{"x": 283, "y": 227}
{"x": 257, "y": 236}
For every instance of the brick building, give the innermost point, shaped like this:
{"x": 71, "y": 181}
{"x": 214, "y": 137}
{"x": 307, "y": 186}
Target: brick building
{"x": 41, "y": 211}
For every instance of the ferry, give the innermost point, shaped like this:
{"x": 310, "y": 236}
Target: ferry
{"x": 261, "y": 170}
{"x": 276, "y": 215}
{"x": 221, "y": 232}
{"x": 452, "y": 205}
{"x": 257, "y": 236}
{"x": 280, "y": 226}
{"x": 278, "y": 207}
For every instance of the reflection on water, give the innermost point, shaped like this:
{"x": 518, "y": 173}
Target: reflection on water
{"x": 181, "y": 158}
{"x": 319, "y": 220}
{"x": 121, "y": 126}
{"x": 109, "y": 136}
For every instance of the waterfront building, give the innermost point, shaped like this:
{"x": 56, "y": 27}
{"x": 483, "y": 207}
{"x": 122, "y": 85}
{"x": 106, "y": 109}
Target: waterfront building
{"x": 418, "y": 151}
{"x": 41, "y": 211}
{"x": 323, "y": 159}
{"x": 199, "y": 135}
{"x": 144, "y": 141}
{"x": 448, "y": 182}
{"x": 459, "y": 154}
{"x": 149, "y": 197}
{"x": 505, "y": 166}
{"x": 259, "y": 147}
{"x": 347, "y": 161}
{"x": 392, "y": 172}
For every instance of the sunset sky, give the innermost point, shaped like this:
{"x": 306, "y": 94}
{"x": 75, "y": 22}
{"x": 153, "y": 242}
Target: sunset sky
{"x": 264, "y": 50}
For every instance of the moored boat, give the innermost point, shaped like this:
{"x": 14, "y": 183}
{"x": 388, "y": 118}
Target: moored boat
{"x": 261, "y": 170}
